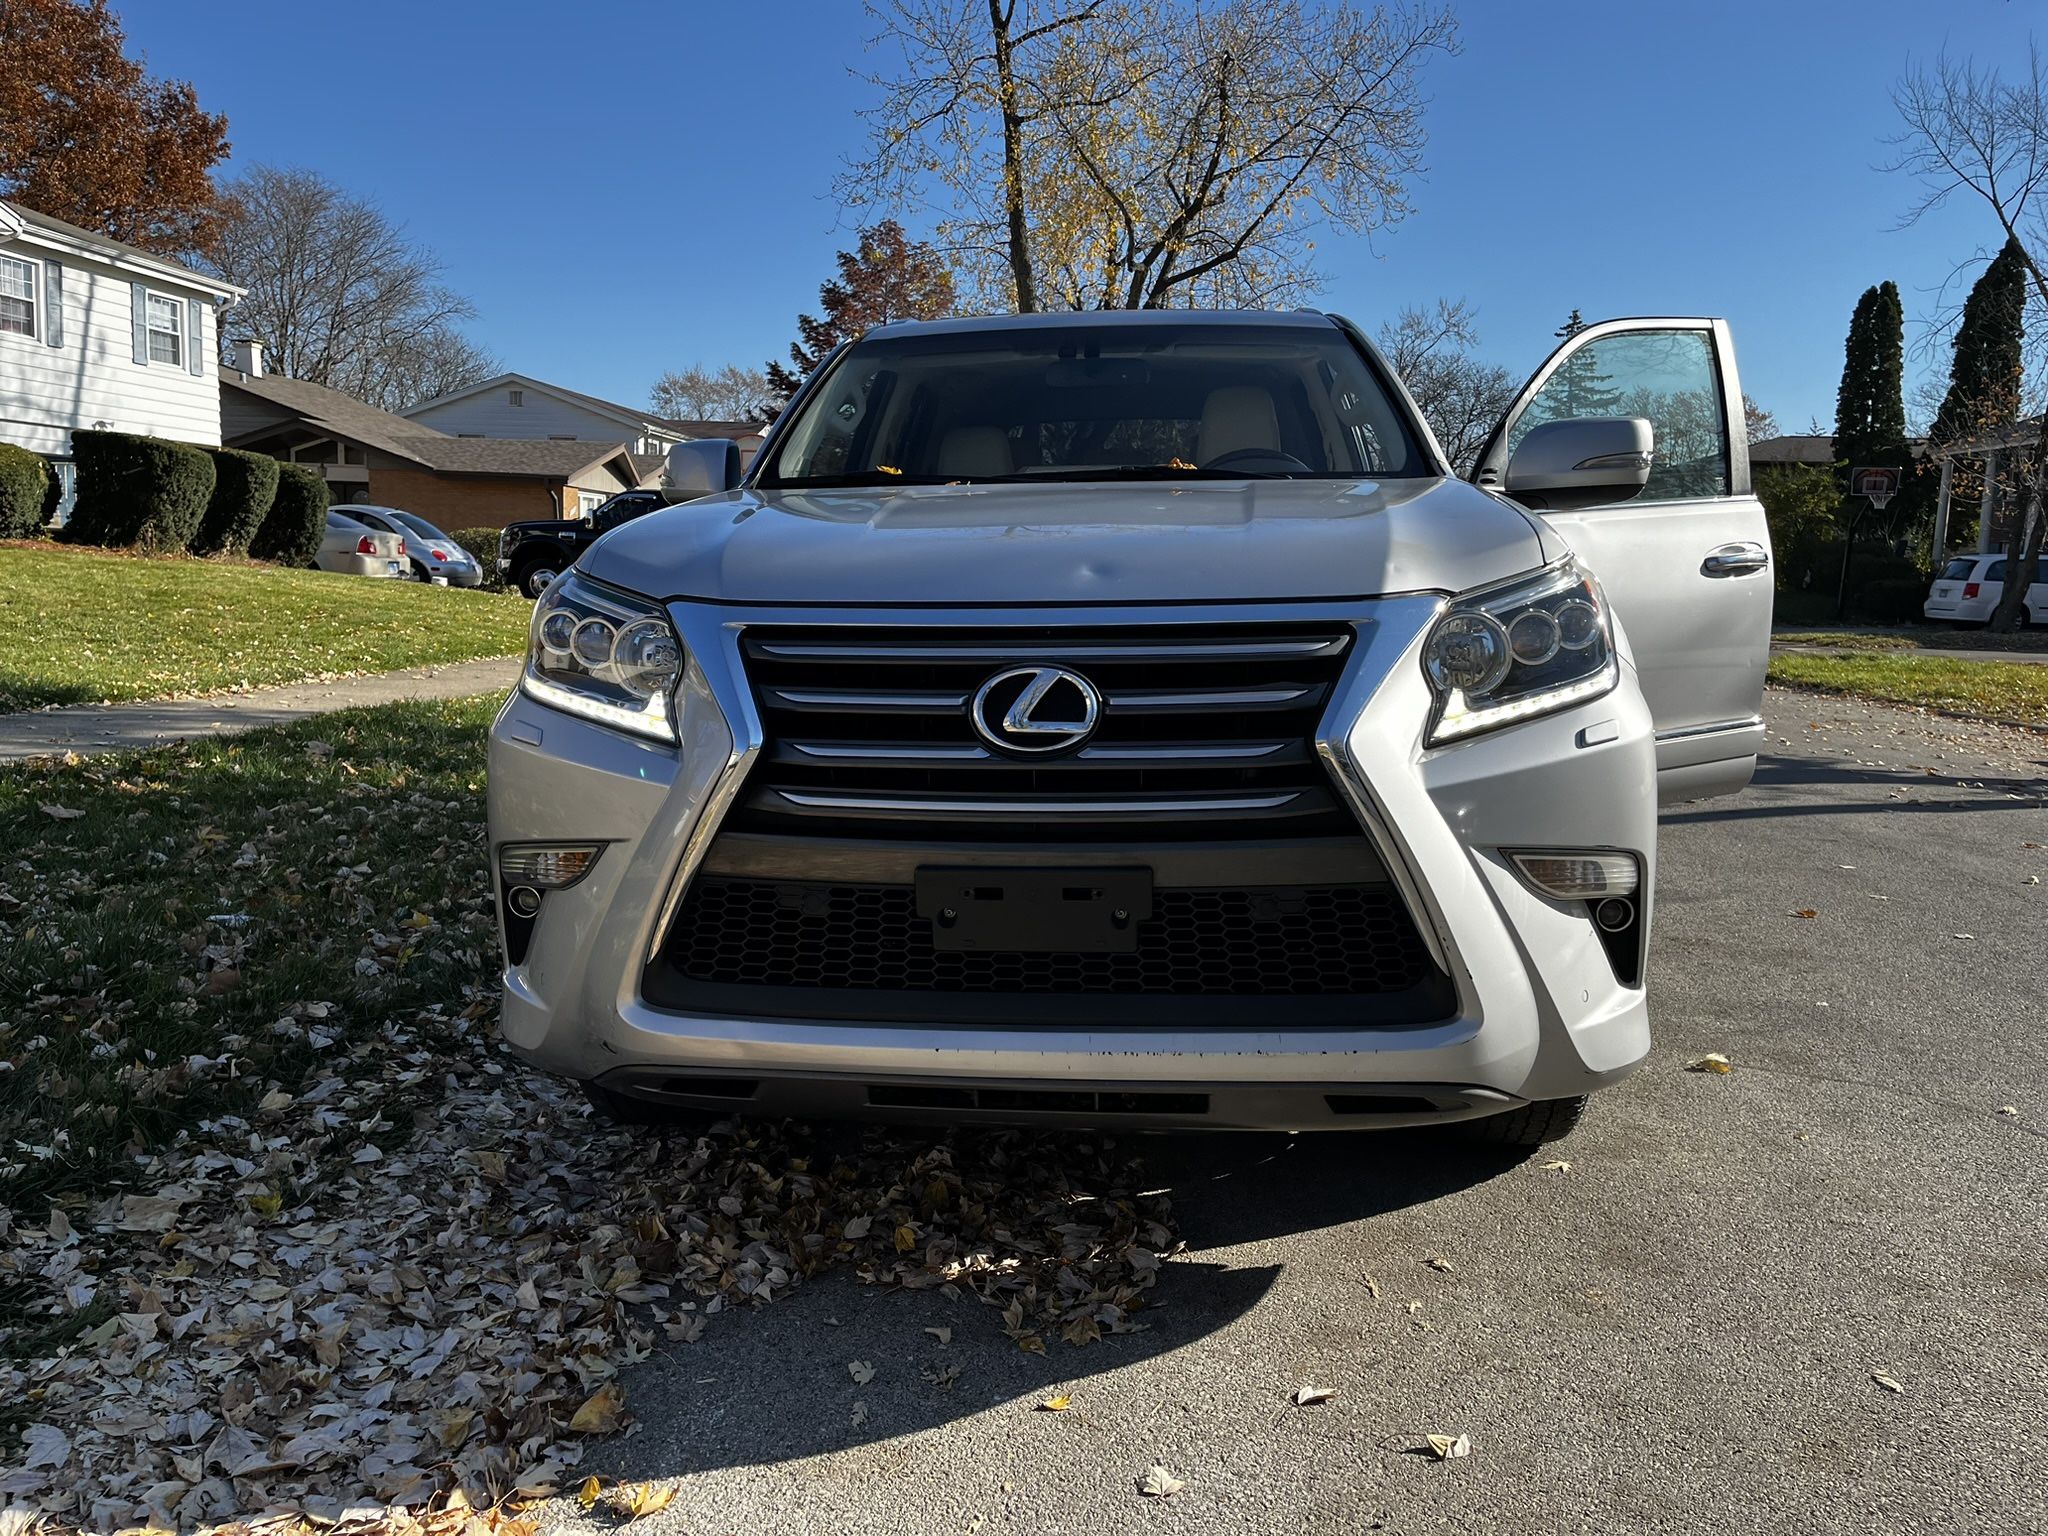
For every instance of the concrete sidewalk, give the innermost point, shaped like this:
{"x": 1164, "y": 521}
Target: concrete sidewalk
{"x": 90, "y": 729}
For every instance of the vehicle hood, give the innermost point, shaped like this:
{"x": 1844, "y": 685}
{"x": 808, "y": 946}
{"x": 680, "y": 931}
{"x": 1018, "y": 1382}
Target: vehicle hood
{"x": 1199, "y": 541}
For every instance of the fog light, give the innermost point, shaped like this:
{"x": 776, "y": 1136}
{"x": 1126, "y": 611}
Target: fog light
{"x": 1579, "y": 876}
{"x": 523, "y": 900}
{"x": 550, "y": 866}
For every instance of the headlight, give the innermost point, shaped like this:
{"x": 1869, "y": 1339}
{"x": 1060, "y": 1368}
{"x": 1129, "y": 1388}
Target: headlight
{"x": 1513, "y": 652}
{"x": 596, "y": 652}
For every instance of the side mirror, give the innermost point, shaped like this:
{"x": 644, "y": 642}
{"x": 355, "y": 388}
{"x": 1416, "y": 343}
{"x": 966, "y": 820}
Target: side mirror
{"x": 702, "y": 467}
{"x": 1582, "y": 462}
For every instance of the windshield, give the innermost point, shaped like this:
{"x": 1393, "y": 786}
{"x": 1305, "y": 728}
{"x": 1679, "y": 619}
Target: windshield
{"x": 1165, "y": 401}
{"x": 418, "y": 525}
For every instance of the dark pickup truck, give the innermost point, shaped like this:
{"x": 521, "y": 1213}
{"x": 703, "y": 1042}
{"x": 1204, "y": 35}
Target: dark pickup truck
{"x": 530, "y": 555}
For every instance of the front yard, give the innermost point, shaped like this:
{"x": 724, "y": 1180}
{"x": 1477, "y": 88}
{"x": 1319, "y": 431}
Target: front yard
{"x": 81, "y": 626}
{"x": 2015, "y": 691}
{"x": 283, "y": 1227}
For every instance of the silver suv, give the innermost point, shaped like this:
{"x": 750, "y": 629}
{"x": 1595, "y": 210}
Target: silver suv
{"x": 1133, "y": 719}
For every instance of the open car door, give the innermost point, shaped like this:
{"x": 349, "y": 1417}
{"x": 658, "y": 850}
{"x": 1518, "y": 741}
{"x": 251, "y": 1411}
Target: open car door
{"x": 1686, "y": 563}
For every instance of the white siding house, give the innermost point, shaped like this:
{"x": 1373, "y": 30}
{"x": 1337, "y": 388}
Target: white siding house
{"x": 513, "y": 405}
{"x": 95, "y": 333}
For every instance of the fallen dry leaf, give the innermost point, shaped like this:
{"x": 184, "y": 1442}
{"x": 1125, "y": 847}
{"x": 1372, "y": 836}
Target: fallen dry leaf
{"x": 1441, "y": 1265}
{"x": 1805, "y": 912}
{"x": 601, "y": 1411}
{"x": 1158, "y": 1483}
{"x": 1713, "y": 1061}
{"x": 1058, "y": 1404}
{"x": 1448, "y": 1449}
{"x": 632, "y": 1501}
{"x": 1889, "y": 1383}
{"x": 943, "y": 1335}
{"x": 1304, "y": 1396}
{"x": 859, "y": 1416}
{"x": 61, "y": 813}
{"x": 861, "y": 1372}
{"x": 2009, "y": 1109}
{"x": 591, "y": 1491}
{"x": 1558, "y": 1165}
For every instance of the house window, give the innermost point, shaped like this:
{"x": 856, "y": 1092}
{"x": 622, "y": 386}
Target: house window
{"x": 518, "y": 396}
{"x": 588, "y": 502}
{"x": 17, "y": 296}
{"x": 166, "y": 330}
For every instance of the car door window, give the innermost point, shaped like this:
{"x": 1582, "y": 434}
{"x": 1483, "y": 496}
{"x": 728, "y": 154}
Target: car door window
{"x": 1996, "y": 572}
{"x": 1671, "y": 378}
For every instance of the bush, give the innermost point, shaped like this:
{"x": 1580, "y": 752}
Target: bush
{"x": 482, "y": 544}
{"x": 26, "y": 489}
{"x": 142, "y": 492}
{"x": 1892, "y": 600}
{"x": 244, "y": 485}
{"x": 291, "y": 532}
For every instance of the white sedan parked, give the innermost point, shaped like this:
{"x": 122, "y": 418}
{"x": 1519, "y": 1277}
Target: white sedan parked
{"x": 351, "y": 548}
{"x": 1969, "y": 587}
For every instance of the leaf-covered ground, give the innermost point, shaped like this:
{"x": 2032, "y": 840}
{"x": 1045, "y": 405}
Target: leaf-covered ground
{"x": 81, "y": 626}
{"x": 2000, "y": 690}
{"x": 285, "y": 1228}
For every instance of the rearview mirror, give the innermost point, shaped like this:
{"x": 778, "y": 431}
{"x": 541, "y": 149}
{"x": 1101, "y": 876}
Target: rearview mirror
{"x": 1583, "y": 462}
{"x": 702, "y": 467}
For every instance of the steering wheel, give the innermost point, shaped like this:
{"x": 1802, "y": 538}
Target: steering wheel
{"x": 1271, "y": 456}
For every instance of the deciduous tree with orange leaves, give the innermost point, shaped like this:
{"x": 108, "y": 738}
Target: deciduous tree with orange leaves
{"x": 87, "y": 136}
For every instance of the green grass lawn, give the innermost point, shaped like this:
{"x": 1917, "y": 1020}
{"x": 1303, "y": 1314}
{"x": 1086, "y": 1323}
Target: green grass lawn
{"x": 78, "y": 626}
{"x": 2004, "y": 690}
{"x": 182, "y": 927}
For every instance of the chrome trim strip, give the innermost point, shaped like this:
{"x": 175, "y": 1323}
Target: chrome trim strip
{"x": 941, "y": 754}
{"x": 995, "y": 805}
{"x": 1712, "y": 728}
{"x": 1027, "y": 650}
{"x": 854, "y": 698}
{"x": 1167, "y": 752}
{"x": 1219, "y": 698}
{"x": 1382, "y": 641}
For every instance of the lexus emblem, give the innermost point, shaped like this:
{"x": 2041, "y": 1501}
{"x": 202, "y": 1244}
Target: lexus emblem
{"x": 1036, "y": 710}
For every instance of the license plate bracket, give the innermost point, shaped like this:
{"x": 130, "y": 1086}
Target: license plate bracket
{"x": 1058, "y": 911}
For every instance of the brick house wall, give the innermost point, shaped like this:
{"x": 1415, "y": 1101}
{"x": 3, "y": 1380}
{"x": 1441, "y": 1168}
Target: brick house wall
{"x": 450, "y": 503}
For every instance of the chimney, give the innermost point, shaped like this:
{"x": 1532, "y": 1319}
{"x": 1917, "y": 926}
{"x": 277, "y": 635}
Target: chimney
{"x": 247, "y": 355}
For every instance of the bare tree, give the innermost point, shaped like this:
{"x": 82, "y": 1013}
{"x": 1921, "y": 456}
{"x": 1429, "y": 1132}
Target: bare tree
{"x": 730, "y": 393}
{"x": 1119, "y": 155}
{"x": 1460, "y": 397}
{"x": 1971, "y": 131}
{"x": 338, "y": 295}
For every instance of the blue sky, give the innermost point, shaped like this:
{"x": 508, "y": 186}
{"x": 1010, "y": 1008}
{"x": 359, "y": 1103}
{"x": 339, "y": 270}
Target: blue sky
{"x": 627, "y": 186}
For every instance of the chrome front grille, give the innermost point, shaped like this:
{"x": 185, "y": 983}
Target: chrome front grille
{"x": 1204, "y": 732}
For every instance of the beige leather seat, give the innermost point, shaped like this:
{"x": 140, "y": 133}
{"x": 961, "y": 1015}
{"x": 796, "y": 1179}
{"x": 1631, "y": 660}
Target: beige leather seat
{"x": 1237, "y": 417}
{"x": 971, "y": 453}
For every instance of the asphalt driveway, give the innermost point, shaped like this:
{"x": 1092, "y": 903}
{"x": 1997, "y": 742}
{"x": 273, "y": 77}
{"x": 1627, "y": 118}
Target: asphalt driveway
{"x": 1681, "y": 1331}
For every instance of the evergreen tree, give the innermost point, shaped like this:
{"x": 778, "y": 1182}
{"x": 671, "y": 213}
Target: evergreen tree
{"x": 1870, "y": 407}
{"x": 1583, "y": 390}
{"x": 1984, "y": 376}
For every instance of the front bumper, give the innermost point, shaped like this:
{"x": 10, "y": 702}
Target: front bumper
{"x": 1539, "y": 1010}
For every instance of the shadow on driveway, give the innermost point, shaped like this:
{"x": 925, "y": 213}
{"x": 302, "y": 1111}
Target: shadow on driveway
{"x": 773, "y": 1385}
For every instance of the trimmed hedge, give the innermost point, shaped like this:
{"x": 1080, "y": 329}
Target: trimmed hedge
{"x": 140, "y": 492}
{"x": 1891, "y": 601}
{"x": 482, "y": 544}
{"x": 291, "y": 533}
{"x": 244, "y": 486}
{"x": 27, "y": 489}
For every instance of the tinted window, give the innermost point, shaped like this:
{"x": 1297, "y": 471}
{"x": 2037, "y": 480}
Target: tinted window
{"x": 1079, "y": 402}
{"x": 419, "y": 526}
{"x": 1671, "y": 378}
{"x": 1960, "y": 569}
{"x": 1997, "y": 571}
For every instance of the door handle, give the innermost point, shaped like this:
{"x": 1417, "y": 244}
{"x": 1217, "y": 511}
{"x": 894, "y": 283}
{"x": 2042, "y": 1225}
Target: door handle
{"x": 1735, "y": 559}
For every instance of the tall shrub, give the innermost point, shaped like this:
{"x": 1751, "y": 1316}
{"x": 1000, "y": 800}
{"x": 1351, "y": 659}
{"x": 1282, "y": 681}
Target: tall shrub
{"x": 482, "y": 544}
{"x": 244, "y": 486}
{"x": 297, "y": 520}
{"x": 25, "y": 481}
{"x": 143, "y": 492}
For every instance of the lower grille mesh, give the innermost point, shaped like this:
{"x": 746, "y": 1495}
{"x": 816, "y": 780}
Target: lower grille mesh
{"x": 1329, "y": 941}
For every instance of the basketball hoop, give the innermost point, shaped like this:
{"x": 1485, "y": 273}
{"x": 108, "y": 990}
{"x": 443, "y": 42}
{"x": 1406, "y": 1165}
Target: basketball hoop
{"x": 1877, "y": 485}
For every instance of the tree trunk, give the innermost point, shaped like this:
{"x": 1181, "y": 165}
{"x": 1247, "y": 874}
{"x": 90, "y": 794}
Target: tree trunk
{"x": 2024, "y": 559}
{"x": 1013, "y": 163}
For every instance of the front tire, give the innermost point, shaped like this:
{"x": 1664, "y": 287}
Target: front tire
{"x": 535, "y": 580}
{"x": 1533, "y": 1125}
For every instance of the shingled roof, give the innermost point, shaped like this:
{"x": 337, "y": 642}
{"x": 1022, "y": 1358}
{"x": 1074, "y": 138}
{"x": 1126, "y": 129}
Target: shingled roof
{"x": 332, "y": 411}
